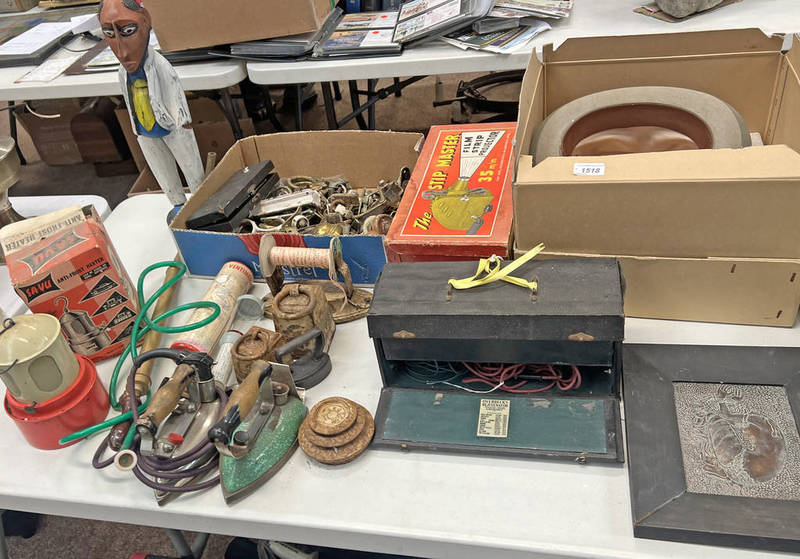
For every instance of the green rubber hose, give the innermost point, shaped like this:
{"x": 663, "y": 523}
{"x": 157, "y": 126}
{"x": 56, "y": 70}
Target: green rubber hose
{"x": 137, "y": 333}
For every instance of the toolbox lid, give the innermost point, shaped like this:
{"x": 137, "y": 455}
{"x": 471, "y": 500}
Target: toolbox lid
{"x": 577, "y": 300}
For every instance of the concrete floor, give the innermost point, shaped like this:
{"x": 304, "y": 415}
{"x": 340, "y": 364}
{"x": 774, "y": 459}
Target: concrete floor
{"x": 60, "y": 536}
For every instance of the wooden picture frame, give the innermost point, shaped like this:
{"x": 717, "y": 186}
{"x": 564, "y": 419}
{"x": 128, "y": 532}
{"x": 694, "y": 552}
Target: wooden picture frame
{"x": 661, "y": 505}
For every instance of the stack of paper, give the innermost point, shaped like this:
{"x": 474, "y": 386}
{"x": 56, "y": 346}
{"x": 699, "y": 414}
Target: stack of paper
{"x": 503, "y": 42}
{"x": 555, "y": 9}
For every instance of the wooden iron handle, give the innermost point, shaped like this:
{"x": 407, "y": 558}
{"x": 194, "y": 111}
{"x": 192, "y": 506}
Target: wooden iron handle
{"x": 240, "y": 403}
{"x": 153, "y": 337}
{"x": 166, "y": 398}
{"x": 245, "y": 396}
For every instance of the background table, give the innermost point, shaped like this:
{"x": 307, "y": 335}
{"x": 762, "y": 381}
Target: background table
{"x": 194, "y": 76}
{"x": 216, "y": 75}
{"x": 425, "y": 504}
{"x": 589, "y": 18}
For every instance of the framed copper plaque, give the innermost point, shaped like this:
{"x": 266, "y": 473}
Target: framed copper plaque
{"x": 713, "y": 444}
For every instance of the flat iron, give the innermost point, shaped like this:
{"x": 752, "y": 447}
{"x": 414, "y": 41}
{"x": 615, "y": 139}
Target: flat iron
{"x": 258, "y": 430}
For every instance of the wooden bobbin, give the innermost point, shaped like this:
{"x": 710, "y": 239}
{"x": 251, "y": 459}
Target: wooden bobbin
{"x": 272, "y": 256}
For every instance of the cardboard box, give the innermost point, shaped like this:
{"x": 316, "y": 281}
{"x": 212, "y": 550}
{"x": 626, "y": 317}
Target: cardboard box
{"x": 97, "y": 132}
{"x": 146, "y": 184}
{"x": 677, "y": 220}
{"x": 52, "y": 137}
{"x": 211, "y": 128}
{"x": 363, "y": 157}
{"x": 17, "y": 5}
{"x": 190, "y": 24}
{"x": 64, "y": 264}
{"x": 457, "y": 205}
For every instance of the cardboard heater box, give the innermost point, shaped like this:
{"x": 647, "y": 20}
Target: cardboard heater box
{"x": 64, "y": 264}
{"x": 191, "y": 24}
{"x": 706, "y": 235}
{"x": 362, "y": 157}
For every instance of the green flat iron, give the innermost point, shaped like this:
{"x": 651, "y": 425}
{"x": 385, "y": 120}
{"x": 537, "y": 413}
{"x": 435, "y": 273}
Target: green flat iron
{"x": 258, "y": 430}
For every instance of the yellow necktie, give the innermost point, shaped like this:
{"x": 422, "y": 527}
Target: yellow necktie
{"x": 141, "y": 104}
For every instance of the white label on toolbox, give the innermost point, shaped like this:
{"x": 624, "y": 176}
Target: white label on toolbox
{"x": 589, "y": 169}
{"x": 493, "y": 418}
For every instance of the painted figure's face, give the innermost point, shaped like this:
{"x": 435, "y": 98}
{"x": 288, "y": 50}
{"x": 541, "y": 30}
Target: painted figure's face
{"x": 127, "y": 32}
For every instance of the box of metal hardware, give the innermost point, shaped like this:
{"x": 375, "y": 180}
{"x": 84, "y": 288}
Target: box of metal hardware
{"x": 457, "y": 205}
{"x": 528, "y": 365}
{"x": 64, "y": 264}
{"x": 302, "y": 188}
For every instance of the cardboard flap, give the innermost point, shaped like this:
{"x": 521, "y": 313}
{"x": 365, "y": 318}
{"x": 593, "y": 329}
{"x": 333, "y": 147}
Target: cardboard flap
{"x": 793, "y": 54}
{"x": 531, "y": 106}
{"x": 667, "y": 44}
{"x": 388, "y": 152}
{"x": 786, "y": 112}
{"x": 762, "y": 162}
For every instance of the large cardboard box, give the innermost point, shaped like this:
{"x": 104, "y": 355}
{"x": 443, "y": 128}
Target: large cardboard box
{"x": 17, "y": 5}
{"x": 190, "y": 24}
{"x": 708, "y": 235}
{"x": 52, "y": 137}
{"x": 363, "y": 157}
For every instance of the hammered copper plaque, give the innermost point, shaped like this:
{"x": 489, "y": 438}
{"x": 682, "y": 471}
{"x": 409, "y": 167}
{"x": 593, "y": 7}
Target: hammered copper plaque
{"x": 738, "y": 439}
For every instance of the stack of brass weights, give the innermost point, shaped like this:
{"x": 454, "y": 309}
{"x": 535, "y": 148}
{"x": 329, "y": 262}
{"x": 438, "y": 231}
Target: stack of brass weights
{"x": 336, "y": 431}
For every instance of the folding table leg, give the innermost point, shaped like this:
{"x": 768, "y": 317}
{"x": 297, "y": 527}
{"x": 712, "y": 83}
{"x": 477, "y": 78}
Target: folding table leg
{"x": 3, "y": 546}
{"x": 298, "y": 116}
{"x": 330, "y": 108}
{"x": 230, "y": 112}
{"x": 355, "y": 102}
{"x": 179, "y": 543}
{"x": 12, "y": 130}
{"x": 371, "y": 111}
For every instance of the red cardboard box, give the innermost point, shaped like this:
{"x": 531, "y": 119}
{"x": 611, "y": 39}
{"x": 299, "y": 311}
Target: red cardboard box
{"x": 457, "y": 205}
{"x": 64, "y": 264}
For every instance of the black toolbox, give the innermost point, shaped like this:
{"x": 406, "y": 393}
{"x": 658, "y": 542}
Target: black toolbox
{"x": 424, "y": 331}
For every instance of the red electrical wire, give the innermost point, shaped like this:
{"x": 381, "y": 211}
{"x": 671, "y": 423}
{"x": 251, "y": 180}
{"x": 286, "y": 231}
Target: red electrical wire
{"x": 499, "y": 375}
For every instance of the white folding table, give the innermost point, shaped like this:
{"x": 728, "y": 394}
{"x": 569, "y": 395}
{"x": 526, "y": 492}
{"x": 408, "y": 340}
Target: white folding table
{"x": 589, "y": 18}
{"x": 421, "y": 504}
{"x": 197, "y": 76}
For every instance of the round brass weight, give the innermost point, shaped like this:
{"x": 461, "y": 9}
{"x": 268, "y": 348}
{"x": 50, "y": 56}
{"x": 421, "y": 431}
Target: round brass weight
{"x": 341, "y": 452}
{"x": 343, "y": 438}
{"x": 332, "y": 416}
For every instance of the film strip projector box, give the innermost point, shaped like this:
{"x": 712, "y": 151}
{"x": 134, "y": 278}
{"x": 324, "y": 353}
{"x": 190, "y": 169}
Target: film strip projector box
{"x": 64, "y": 264}
{"x": 457, "y": 205}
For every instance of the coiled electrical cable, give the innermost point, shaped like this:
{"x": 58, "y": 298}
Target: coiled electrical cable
{"x": 511, "y": 378}
{"x": 147, "y": 467}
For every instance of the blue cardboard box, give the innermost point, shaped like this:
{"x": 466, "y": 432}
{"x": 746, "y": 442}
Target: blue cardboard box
{"x": 364, "y": 157}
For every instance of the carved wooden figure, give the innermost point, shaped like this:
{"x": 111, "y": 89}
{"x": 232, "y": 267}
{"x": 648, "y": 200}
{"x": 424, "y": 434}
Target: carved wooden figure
{"x": 154, "y": 97}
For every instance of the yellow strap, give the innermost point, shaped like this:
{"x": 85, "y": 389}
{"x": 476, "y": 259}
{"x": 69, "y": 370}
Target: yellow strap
{"x": 491, "y": 267}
